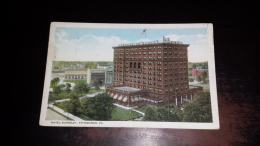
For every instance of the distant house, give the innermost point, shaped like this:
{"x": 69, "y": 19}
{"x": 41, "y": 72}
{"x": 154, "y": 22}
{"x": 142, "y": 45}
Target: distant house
{"x": 195, "y": 72}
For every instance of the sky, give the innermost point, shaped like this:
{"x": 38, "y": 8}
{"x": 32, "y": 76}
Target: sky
{"x": 95, "y": 44}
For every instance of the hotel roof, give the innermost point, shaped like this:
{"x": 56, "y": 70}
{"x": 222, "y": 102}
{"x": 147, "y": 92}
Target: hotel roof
{"x": 128, "y": 89}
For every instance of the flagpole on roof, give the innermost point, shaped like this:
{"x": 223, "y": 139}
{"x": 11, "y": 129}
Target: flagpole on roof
{"x": 145, "y": 36}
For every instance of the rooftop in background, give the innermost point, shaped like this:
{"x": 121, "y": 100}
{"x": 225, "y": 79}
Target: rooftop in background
{"x": 164, "y": 41}
{"x": 128, "y": 89}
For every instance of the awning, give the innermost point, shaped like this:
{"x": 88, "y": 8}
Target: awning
{"x": 120, "y": 97}
{"x": 115, "y": 97}
{"x": 125, "y": 99}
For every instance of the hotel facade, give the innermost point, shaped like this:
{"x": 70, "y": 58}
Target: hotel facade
{"x": 155, "y": 71}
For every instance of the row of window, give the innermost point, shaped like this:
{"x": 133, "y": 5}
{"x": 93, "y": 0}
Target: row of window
{"x": 150, "y": 78}
{"x": 151, "y": 58}
{"x": 135, "y": 53}
{"x": 144, "y": 62}
{"x": 144, "y": 72}
{"x": 159, "y": 47}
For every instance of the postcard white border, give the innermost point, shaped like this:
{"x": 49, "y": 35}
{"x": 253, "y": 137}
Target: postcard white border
{"x": 140, "y": 124}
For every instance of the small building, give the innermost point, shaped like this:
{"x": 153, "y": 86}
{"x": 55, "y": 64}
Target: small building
{"x": 103, "y": 74}
{"x": 75, "y": 74}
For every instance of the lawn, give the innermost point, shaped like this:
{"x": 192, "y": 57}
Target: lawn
{"x": 94, "y": 90}
{"x": 123, "y": 115}
{"x": 76, "y": 81}
{"x": 61, "y": 95}
{"x": 141, "y": 109}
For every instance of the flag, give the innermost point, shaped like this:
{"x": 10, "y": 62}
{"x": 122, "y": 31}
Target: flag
{"x": 143, "y": 31}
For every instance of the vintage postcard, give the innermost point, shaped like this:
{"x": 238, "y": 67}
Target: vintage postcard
{"x": 130, "y": 75}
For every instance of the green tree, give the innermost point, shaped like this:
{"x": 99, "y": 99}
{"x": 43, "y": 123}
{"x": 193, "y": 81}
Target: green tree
{"x": 54, "y": 82}
{"x": 51, "y": 98}
{"x": 73, "y": 106}
{"x": 199, "y": 79}
{"x": 68, "y": 85}
{"x": 176, "y": 115}
{"x": 204, "y": 75}
{"x": 163, "y": 113}
{"x": 191, "y": 80}
{"x": 99, "y": 107}
{"x": 199, "y": 110}
{"x": 150, "y": 114}
{"x": 81, "y": 88}
{"x": 56, "y": 90}
{"x": 97, "y": 83}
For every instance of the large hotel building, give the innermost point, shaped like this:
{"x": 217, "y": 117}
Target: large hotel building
{"x": 155, "y": 71}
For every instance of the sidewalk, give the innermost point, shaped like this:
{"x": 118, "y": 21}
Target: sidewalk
{"x": 75, "y": 118}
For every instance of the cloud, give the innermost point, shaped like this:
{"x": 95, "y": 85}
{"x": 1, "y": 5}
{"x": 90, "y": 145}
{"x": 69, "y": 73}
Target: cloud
{"x": 86, "y": 48}
{"x": 198, "y": 49}
{"x": 60, "y": 35}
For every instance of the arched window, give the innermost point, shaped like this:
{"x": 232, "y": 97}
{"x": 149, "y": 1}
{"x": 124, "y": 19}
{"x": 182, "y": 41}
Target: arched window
{"x": 135, "y": 65}
{"x": 131, "y": 64}
{"x": 139, "y": 65}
